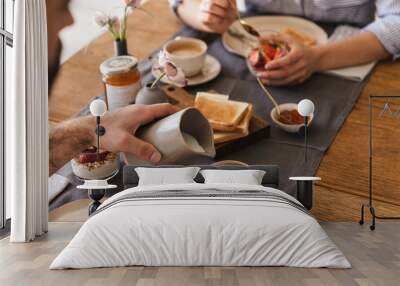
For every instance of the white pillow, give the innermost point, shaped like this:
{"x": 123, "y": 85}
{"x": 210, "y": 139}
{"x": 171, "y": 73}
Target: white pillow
{"x": 166, "y": 176}
{"x": 244, "y": 177}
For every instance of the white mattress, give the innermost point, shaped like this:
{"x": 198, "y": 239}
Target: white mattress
{"x": 200, "y": 231}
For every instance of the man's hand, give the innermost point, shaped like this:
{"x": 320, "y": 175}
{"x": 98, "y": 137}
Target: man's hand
{"x": 122, "y": 124}
{"x": 294, "y": 68}
{"x": 71, "y": 137}
{"x": 217, "y": 15}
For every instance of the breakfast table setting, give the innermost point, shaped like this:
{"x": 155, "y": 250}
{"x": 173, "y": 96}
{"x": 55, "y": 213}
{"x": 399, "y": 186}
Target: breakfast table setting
{"x": 221, "y": 80}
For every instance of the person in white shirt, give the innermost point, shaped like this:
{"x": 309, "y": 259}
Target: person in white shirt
{"x": 379, "y": 38}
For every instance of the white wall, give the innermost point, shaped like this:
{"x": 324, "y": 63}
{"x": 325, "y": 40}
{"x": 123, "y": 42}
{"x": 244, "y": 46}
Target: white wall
{"x": 84, "y": 29}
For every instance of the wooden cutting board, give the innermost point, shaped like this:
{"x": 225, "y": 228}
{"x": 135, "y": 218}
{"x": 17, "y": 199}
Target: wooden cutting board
{"x": 259, "y": 128}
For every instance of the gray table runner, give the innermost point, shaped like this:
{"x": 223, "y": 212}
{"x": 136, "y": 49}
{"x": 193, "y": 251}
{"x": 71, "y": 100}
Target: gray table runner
{"x": 334, "y": 98}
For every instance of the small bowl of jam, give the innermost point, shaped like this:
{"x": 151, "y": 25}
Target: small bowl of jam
{"x": 289, "y": 120}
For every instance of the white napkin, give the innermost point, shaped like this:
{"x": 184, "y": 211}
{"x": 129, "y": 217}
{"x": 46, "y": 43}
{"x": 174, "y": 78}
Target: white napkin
{"x": 357, "y": 73}
{"x": 57, "y": 184}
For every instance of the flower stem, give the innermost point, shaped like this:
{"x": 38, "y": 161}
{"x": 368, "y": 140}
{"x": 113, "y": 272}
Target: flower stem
{"x": 122, "y": 28}
{"x": 111, "y": 29}
{"x": 158, "y": 79}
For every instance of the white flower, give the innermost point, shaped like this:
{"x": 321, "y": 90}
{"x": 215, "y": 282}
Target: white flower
{"x": 101, "y": 19}
{"x": 162, "y": 58}
{"x": 133, "y": 3}
{"x": 113, "y": 21}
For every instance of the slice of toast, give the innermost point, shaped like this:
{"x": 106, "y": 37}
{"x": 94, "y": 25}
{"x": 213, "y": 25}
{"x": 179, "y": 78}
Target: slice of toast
{"x": 218, "y": 126}
{"x": 213, "y": 95}
{"x": 242, "y": 127}
{"x": 300, "y": 37}
{"x": 242, "y": 130}
{"x": 221, "y": 112}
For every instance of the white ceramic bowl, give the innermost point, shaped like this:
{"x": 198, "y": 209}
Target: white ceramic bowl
{"x": 291, "y": 128}
{"x": 95, "y": 171}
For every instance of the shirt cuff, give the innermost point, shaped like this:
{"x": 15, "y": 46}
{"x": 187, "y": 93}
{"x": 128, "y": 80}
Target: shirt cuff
{"x": 387, "y": 30}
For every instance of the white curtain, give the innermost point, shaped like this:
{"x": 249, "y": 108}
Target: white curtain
{"x": 27, "y": 123}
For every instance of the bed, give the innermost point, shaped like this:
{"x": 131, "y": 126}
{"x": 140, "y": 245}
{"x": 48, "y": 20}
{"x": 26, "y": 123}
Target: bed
{"x": 201, "y": 224}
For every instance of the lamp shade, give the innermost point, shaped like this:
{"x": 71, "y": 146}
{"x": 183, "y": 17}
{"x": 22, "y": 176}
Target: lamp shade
{"x": 98, "y": 107}
{"x": 305, "y": 107}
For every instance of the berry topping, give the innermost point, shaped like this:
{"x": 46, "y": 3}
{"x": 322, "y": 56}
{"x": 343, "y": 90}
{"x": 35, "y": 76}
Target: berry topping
{"x": 90, "y": 155}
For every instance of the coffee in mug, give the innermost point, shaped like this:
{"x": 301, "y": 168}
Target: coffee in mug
{"x": 185, "y": 49}
{"x": 187, "y": 53}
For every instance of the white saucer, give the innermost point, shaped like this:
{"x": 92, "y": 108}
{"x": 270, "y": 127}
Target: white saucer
{"x": 211, "y": 69}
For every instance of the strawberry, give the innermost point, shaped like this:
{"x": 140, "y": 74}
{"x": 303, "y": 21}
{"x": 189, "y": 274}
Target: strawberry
{"x": 259, "y": 57}
{"x": 90, "y": 155}
{"x": 269, "y": 51}
{"x": 255, "y": 59}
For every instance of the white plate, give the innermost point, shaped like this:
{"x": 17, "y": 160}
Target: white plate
{"x": 211, "y": 70}
{"x": 266, "y": 24}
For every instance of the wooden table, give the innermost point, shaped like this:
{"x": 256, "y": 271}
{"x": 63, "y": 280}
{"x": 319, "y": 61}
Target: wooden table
{"x": 344, "y": 169}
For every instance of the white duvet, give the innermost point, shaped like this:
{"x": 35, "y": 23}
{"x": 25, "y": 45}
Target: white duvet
{"x": 200, "y": 231}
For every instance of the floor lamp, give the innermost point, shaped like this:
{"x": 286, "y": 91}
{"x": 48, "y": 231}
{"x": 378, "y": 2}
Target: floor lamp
{"x": 98, "y": 108}
{"x": 305, "y": 184}
{"x": 97, "y": 188}
{"x": 306, "y": 109}
{"x": 369, "y": 205}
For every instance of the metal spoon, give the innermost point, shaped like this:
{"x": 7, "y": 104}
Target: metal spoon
{"x": 246, "y": 26}
{"x": 269, "y": 96}
{"x": 252, "y": 31}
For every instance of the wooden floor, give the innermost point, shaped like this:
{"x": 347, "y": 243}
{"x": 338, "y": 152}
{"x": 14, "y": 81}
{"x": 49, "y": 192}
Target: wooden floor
{"x": 375, "y": 257}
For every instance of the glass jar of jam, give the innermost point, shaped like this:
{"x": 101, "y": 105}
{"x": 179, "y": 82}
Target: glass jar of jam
{"x": 121, "y": 79}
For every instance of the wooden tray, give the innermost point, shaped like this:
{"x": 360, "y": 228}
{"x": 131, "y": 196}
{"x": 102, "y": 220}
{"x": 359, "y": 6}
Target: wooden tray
{"x": 258, "y": 129}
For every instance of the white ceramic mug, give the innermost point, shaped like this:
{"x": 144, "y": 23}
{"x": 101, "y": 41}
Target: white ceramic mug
{"x": 187, "y": 53}
{"x": 167, "y": 135}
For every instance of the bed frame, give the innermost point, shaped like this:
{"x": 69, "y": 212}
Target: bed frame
{"x": 271, "y": 177}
